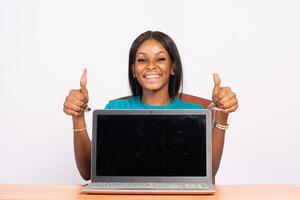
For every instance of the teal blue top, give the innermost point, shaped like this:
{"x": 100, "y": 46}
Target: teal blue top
{"x": 136, "y": 103}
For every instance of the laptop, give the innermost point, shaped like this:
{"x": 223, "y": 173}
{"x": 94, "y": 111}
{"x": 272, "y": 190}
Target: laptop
{"x": 151, "y": 152}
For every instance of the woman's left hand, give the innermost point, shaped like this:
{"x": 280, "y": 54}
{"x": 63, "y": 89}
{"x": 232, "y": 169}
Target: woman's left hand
{"x": 223, "y": 97}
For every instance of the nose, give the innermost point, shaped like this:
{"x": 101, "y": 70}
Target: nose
{"x": 152, "y": 64}
{"x": 150, "y": 67}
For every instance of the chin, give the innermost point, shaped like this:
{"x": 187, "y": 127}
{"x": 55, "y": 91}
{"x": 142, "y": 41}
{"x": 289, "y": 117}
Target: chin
{"x": 152, "y": 88}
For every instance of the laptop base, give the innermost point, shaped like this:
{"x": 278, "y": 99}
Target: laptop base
{"x": 93, "y": 189}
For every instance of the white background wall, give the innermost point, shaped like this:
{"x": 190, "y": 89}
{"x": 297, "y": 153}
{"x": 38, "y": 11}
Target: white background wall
{"x": 253, "y": 45}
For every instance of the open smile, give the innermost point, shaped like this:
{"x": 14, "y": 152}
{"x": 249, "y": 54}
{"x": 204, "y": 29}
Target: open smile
{"x": 152, "y": 77}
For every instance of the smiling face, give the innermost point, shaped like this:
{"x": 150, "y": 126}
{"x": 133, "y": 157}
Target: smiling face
{"x": 152, "y": 66}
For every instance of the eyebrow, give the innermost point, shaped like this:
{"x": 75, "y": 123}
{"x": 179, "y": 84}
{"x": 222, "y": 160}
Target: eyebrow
{"x": 155, "y": 54}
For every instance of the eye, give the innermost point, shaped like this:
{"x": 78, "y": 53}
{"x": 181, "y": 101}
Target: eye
{"x": 161, "y": 59}
{"x": 141, "y": 60}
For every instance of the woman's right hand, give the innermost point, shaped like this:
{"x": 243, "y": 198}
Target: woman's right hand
{"x": 76, "y": 102}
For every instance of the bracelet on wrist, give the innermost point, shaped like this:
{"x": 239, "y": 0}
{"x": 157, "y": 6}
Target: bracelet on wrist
{"x": 221, "y": 126}
{"x": 79, "y": 130}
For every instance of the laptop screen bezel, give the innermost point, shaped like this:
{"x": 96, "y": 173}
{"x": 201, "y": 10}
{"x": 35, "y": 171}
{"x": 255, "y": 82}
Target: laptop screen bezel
{"x": 165, "y": 179}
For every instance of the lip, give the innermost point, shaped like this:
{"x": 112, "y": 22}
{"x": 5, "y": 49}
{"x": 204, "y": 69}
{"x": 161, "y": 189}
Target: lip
{"x": 149, "y": 74}
{"x": 152, "y": 77}
{"x": 152, "y": 74}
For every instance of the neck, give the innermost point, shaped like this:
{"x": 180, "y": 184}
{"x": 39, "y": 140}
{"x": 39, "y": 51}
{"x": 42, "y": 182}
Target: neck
{"x": 156, "y": 98}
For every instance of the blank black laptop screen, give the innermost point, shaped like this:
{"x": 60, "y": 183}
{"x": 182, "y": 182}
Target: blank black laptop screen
{"x": 151, "y": 145}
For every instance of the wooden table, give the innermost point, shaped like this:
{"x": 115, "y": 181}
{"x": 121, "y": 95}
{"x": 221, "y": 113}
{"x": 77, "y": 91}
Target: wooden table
{"x": 231, "y": 192}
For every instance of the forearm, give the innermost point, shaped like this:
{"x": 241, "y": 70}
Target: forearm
{"x": 218, "y": 137}
{"x": 82, "y": 148}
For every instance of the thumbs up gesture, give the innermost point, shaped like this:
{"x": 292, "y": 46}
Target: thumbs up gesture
{"x": 223, "y": 97}
{"x": 76, "y": 102}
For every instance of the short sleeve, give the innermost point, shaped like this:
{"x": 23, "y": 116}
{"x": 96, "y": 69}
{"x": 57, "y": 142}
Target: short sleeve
{"x": 107, "y": 106}
{"x": 112, "y": 105}
{"x": 187, "y": 105}
{"x": 117, "y": 104}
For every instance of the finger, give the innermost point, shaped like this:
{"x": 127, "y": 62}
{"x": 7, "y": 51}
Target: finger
{"x": 83, "y": 82}
{"x": 75, "y": 101}
{"x": 71, "y": 112}
{"x": 77, "y": 94}
{"x": 224, "y": 91}
{"x": 80, "y": 103}
{"x": 232, "y": 109}
{"x": 227, "y": 98}
{"x": 73, "y": 107}
{"x": 230, "y": 104}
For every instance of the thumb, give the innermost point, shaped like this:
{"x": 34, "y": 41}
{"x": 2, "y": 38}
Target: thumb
{"x": 217, "y": 86}
{"x": 83, "y": 81}
{"x": 217, "y": 80}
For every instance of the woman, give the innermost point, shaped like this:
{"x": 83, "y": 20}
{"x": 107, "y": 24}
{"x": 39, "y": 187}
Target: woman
{"x": 155, "y": 77}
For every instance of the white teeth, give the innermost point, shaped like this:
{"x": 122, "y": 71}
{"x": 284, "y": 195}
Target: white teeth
{"x": 152, "y": 76}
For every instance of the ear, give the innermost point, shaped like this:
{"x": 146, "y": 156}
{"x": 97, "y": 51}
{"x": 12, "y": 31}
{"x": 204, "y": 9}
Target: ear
{"x": 172, "y": 69}
{"x": 132, "y": 70}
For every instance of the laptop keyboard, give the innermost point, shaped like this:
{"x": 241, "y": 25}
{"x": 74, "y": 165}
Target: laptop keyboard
{"x": 177, "y": 186}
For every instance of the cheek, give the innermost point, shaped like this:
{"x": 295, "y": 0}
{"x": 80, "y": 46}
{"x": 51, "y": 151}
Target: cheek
{"x": 165, "y": 69}
{"x": 138, "y": 70}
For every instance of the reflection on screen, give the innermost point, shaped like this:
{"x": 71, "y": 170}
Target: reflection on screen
{"x": 151, "y": 145}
